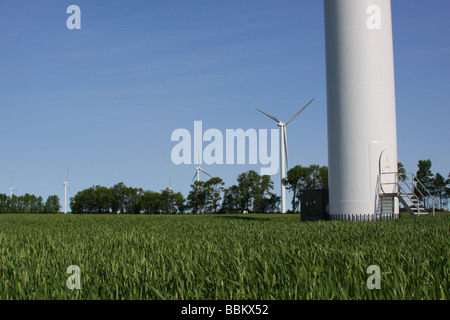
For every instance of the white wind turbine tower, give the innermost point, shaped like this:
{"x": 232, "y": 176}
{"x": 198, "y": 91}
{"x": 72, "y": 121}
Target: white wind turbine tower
{"x": 66, "y": 186}
{"x": 284, "y": 151}
{"x": 11, "y": 192}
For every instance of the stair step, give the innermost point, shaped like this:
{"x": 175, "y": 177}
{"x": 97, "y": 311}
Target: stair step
{"x": 407, "y": 197}
{"x": 410, "y": 197}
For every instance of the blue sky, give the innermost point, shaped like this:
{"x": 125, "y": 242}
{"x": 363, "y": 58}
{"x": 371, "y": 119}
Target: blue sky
{"x": 103, "y": 101}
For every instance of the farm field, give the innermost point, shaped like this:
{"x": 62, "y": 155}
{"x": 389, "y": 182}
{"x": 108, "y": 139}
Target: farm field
{"x": 257, "y": 257}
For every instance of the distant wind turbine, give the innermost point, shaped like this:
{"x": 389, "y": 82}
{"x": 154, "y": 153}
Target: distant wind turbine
{"x": 284, "y": 150}
{"x": 197, "y": 174}
{"x": 66, "y": 186}
{"x": 11, "y": 192}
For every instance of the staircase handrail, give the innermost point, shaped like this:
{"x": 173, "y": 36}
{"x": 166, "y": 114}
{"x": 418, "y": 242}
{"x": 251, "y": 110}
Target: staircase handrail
{"x": 396, "y": 183}
{"x": 416, "y": 190}
{"x": 377, "y": 196}
{"x": 410, "y": 185}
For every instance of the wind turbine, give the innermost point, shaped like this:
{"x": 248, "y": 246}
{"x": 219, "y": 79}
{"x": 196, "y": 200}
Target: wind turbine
{"x": 66, "y": 186}
{"x": 197, "y": 174}
{"x": 169, "y": 188}
{"x": 284, "y": 150}
{"x": 11, "y": 192}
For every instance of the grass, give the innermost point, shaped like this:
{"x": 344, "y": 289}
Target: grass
{"x": 222, "y": 257}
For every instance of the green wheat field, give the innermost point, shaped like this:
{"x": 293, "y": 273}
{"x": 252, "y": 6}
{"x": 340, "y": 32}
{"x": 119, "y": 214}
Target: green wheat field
{"x": 257, "y": 257}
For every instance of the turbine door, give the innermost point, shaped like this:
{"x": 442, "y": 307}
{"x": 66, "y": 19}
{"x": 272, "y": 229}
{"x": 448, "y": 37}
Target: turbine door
{"x": 388, "y": 170}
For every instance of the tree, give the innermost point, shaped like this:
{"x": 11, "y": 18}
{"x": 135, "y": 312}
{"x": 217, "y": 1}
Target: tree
{"x": 251, "y": 193}
{"x": 96, "y": 199}
{"x": 263, "y": 198}
{"x": 171, "y": 202}
{"x": 322, "y": 176}
{"x": 197, "y": 197}
{"x": 131, "y": 200}
{"x": 78, "y": 203}
{"x": 292, "y": 182}
{"x": 248, "y": 183}
{"x": 214, "y": 189}
{"x": 75, "y": 204}
{"x": 26, "y": 203}
{"x": 37, "y": 204}
{"x": 13, "y": 204}
{"x": 447, "y": 185}
{"x": 179, "y": 202}
{"x": 4, "y": 203}
{"x": 52, "y": 204}
{"x": 273, "y": 202}
{"x": 401, "y": 172}
{"x": 102, "y": 199}
{"x": 118, "y": 198}
{"x": 425, "y": 177}
{"x": 447, "y": 188}
{"x": 151, "y": 202}
{"x": 305, "y": 178}
{"x": 438, "y": 189}
{"x": 231, "y": 199}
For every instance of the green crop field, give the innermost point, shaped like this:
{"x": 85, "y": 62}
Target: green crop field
{"x": 222, "y": 257}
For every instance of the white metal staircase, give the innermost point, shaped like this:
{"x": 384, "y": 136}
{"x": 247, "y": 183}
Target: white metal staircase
{"x": 407, "y": 188}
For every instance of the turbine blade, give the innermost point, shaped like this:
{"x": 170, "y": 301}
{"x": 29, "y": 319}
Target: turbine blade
{"x": 206, "y": 173}
{"x": 195, "y": 175}
{"x": 269, "y": 115}
{"x": 286, "y": 147}
{"x": 300, "y": 111}
{"x": 198, "y": 159}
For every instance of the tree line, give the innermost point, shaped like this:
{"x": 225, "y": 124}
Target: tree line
{"x": 251, "y": 193}
{"x": 29, "y": 203}
{"x": 127, "y": 200}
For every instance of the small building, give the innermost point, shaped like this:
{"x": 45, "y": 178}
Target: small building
{"x": 314, "y": 205}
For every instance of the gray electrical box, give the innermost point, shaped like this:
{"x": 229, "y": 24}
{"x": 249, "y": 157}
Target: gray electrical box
{"x": 314, "y": 205}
